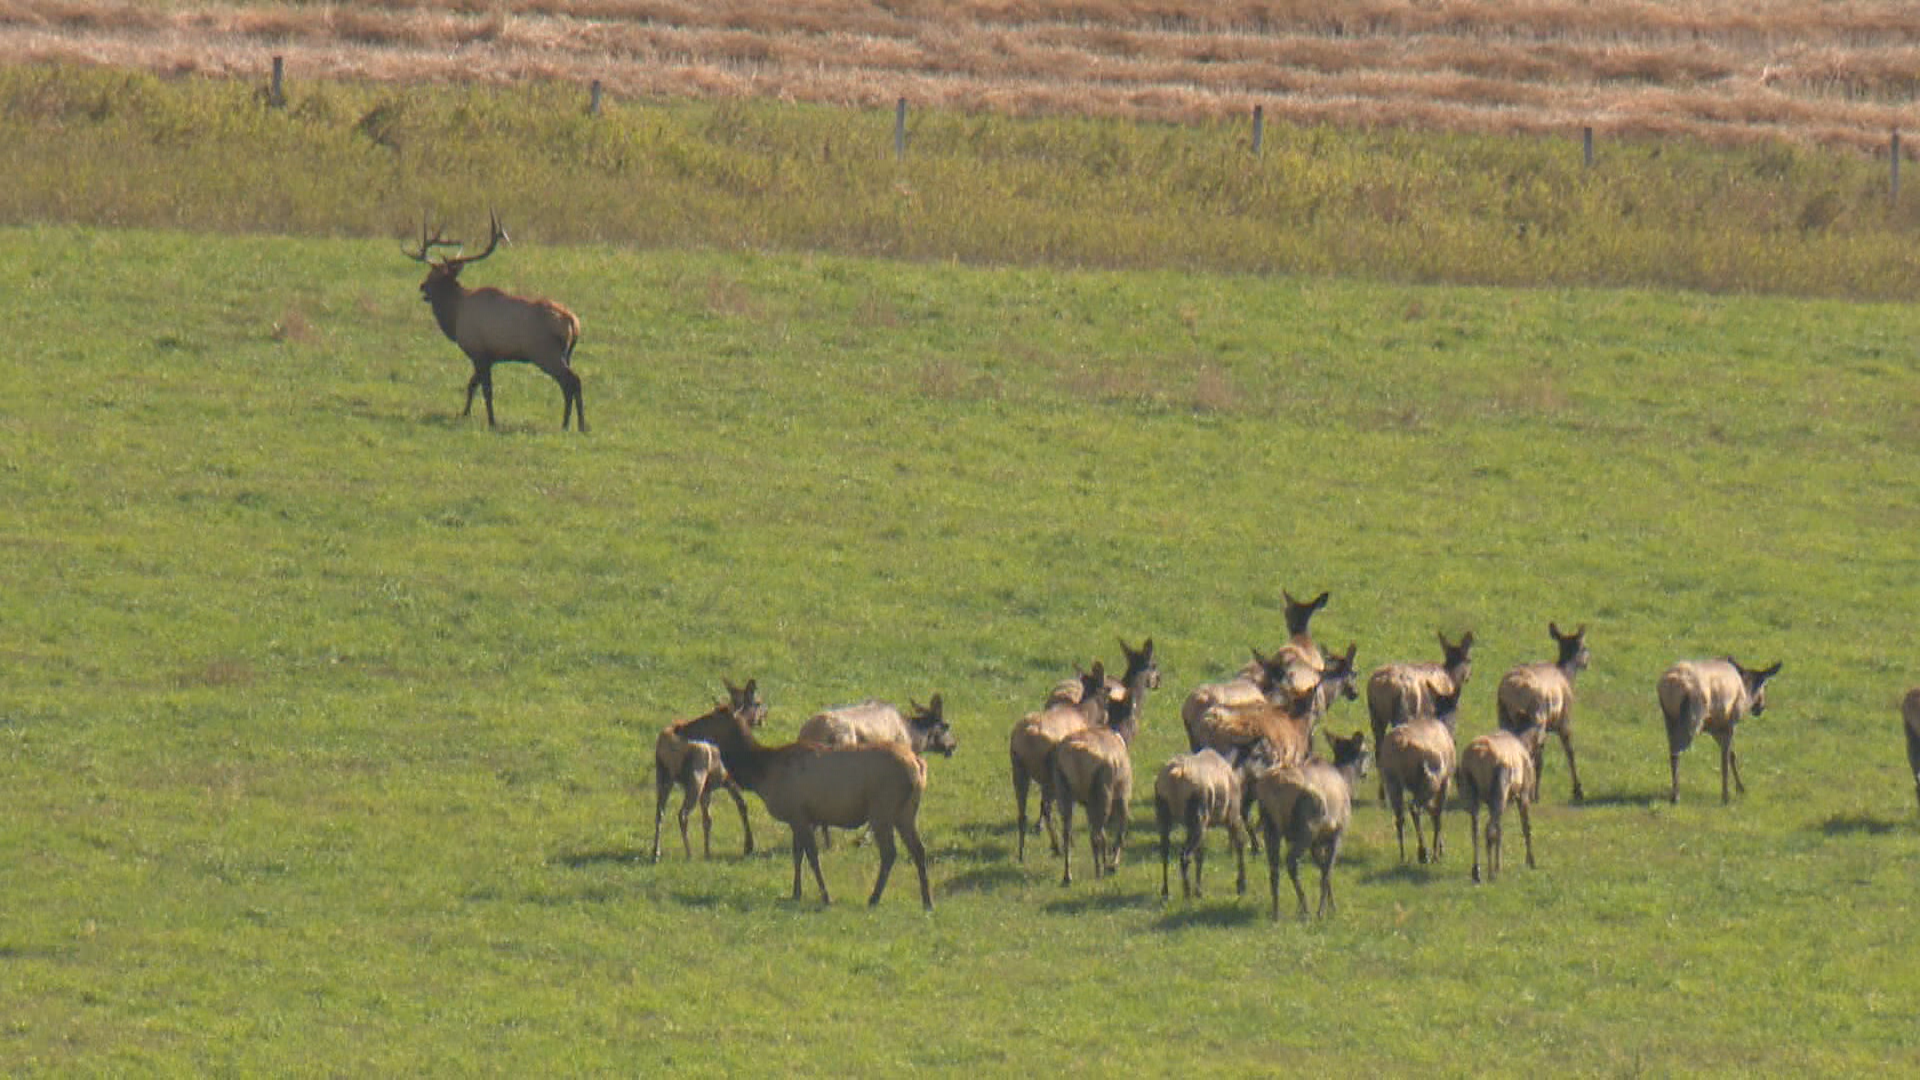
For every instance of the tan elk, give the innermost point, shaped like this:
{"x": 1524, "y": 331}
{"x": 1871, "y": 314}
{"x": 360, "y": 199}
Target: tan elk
{"x": 1398, "y": 692}
{"x": 1715, "y": 695}
{"x": 1496, "y": 772}
{"x": 1309, "y": 805}
{"x": 1541, "y": 695}
{"x": 1030, "y": 747}
{"x": 807, "y": 786}
{"x": 492, "y": 327}
{"x": 1417, "y": 760}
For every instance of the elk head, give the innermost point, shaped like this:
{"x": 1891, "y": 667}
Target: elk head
{"x": 443, "y": 274}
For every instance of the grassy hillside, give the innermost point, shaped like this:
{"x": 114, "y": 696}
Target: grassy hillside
{"x": 324, "y": 712}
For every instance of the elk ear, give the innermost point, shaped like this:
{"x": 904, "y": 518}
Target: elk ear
{"x": 1466, "y": 640}
{"x": 1554, "y": 629}
{"x": 1772, "y": 671}
{"x": 934, "y": 707}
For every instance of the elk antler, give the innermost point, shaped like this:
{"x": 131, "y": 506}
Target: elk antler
{"x": 495, "y": 234}
{"x": 428, "y": 243}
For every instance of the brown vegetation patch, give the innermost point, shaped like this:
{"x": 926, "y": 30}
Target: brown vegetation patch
{"x": 1731, "y": 72}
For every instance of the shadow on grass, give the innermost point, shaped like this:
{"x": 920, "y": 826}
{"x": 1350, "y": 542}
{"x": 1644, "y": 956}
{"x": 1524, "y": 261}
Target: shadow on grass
{"x": 1080, "y": 905}
{"x": 1244, "y": 912}
{"x": 581, "y": 860}
{"x": 1408, "y": 873}
{"x": 986, "y": 879}
{"x": 1642, "y": 800}
{"x": 1862, "y": 825}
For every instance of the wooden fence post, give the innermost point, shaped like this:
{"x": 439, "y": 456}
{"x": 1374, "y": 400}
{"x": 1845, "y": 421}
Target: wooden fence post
{"x": 1893, "y": 191}
{"x": 900, "y": 129}
{"x": 1586, "y": 145}
{"x": 277, "y": 93}
{"x": 1259, "y": 128}
{"x": 593, "y": 98}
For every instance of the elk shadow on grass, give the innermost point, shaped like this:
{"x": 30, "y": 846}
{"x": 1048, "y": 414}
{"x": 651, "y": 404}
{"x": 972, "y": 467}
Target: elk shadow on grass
{"x": 1212, "y": 913}
{"x": 582, "y": 860}
{"x": 1081, "y": 905}
{"x": 1643, "y": 800}
{"x": 1409, "y": 873}
{"x": 986, "y": 879}
{"x": 1860, "y": 825}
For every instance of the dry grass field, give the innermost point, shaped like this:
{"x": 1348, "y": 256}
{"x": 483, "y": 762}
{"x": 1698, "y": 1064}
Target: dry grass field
{"x": 1838, "y": 74}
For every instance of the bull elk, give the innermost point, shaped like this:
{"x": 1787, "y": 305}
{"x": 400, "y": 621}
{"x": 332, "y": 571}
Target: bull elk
{"x": 493, "y": 327}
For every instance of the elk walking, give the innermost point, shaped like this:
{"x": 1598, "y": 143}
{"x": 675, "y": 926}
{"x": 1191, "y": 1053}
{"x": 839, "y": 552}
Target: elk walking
{"x": 1396, "y": 692}
{"x": 493, "y": 327}
{"x": 1416, "y": 764}
{"x": 1497, "y": 771}
{"x": 1715, "y": 695}
{"x": 1309, "y": 806}
{"x": 1541, "y": 695}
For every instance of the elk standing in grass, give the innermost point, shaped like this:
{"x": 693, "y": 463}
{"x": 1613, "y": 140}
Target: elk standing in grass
{"x": 1541, "y": 695}
{"x": 1031, "y": 744}
{"x": 492, "y": 327}
{"x": 806, "y": 786}
{"x": 1715, "y": 695}
{"x": 1396, "y": 692}
{"x": 1495, "y": 771}
{"x": 1910, "y": 713}
{"x": 679, "y": 758}
{"x": 1093, "y": 768}
{"x": 1308, "y": 805}
{"x": 1200, "y": 789}
{"x": 922, "y": 729}
{"x": 1416, "y": 765}
{"x": 1142, "y": 674}
{"x": 1300, "y": 657}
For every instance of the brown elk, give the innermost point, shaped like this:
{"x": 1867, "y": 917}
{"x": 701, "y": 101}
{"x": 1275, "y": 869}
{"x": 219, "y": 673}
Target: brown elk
{"x": 1309, "y": 805}
{"x": 493, "y": 327}
{"x": 808, "y": 786}
{"x": 676, "y": 761}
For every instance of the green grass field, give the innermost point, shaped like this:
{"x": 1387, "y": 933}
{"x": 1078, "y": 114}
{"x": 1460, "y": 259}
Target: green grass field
{"x": 326, "y": 714}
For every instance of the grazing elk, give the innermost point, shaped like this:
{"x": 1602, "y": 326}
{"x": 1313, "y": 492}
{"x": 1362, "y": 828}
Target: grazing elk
{"x": 1200, "y": 790}
{"x": 1715, "y": 695}
{"x": 1309, "y": 805}
{"x": 1030, "y": 748}
{"x": 1396, "y": 692}
{"x": 1416, "y": 765}
{"x": 675, "y": 762}
{"x": 1092, "y": 767}
{"x": 1910, "y": 713}
{"x": 1541, "y": 695}
{"x": 1497, "y": 769}
{"x": 493, "y": 327}
{"x": 807, "y": 785}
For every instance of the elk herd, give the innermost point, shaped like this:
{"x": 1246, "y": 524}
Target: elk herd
{"x": 1250, "y": 747}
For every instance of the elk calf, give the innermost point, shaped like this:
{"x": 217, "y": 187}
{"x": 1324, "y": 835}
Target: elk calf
{"x": 1715, "y": 695}
{"x": 492, "y": 327}
{"x": 1416, "y": 765}
{"x": 1309, "y": 805}
{"x": 1541, "y": 695}
{"x": 1200, "y": 790}
{"x": 680, "y": 758}
{"x": 1497, "y": 769}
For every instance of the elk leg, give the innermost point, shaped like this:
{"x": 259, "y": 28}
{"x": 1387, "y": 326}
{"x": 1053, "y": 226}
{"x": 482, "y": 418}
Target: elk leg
{"x": 1473, "y": 834}
{"x": 706, "y": 821}
{"x": 1293, "y": 872}
{"x": 1526, "y": 832}
{"x": 746, "y": 824}
{"x": 1439, "y": 811}
{"x": 1066, "y": 841}
{"x": 1194, "y": 851}
{"x": 1273, "y": 863}
{"x": 1332, "y": 852}
{"x": 1673, "y": 765}
{"x": 1495, "y": 834}
{"x": 691, "y": 796}
{"x": 662, "y": 787}
{"x": 883, "y": 842}
{"x": 804, "y": 836}
{"x": 1020, "y": 782}
{"x": 1163, "y": 820}
{"x": 1566, "y": 743}
{"x": 1733, "y": 760}
{"x": 917, "y": 851}
{"x": 1400, "y": 825}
